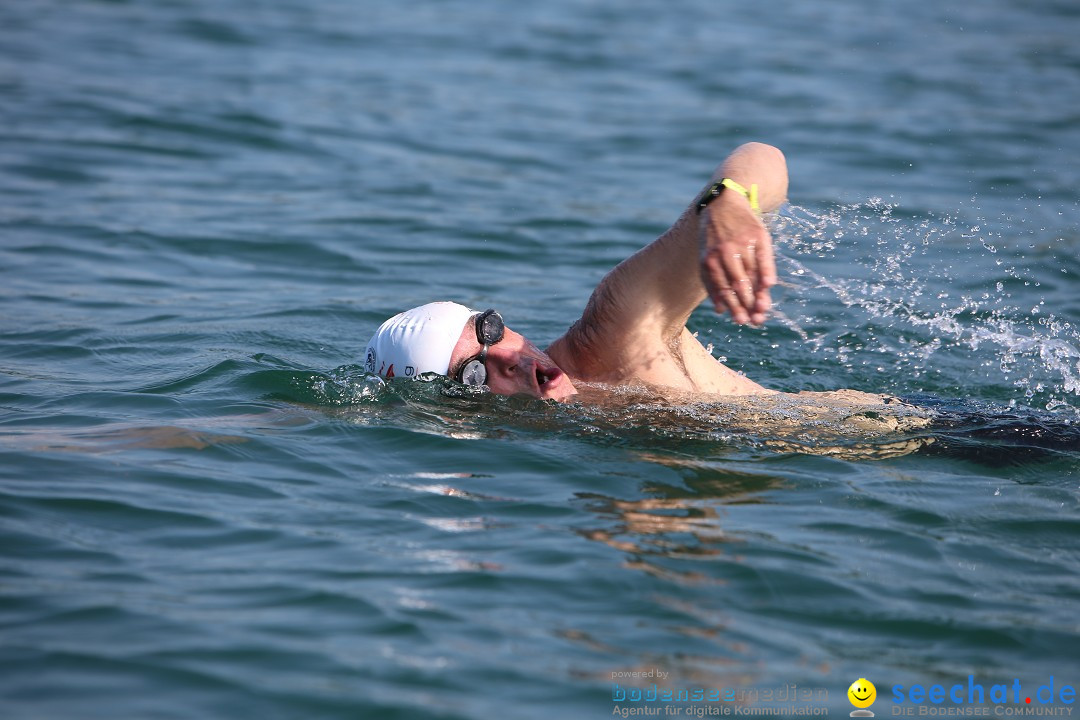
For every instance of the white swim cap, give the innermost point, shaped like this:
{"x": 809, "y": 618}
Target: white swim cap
{"x": 417, "y": 341}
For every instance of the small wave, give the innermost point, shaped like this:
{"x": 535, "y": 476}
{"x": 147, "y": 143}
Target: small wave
{"x": 929, "y": 300}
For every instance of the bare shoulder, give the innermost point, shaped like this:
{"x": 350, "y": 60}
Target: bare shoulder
{"x": 680, "y": 364}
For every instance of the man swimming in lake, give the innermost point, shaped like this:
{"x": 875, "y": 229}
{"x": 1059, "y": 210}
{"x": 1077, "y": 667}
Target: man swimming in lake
{"x": 633, "y": 330}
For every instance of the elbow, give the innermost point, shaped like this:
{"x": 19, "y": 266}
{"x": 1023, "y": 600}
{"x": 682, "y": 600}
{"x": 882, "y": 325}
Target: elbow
{"x": 770, "y": 168}
{"x": 766, "y": 152}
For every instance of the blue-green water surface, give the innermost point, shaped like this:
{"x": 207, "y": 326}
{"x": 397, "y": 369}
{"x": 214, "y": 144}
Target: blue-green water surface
{"x": 208, "y": 511}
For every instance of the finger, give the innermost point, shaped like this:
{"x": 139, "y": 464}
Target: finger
{"x": 719, "y": 304}
{"x": 750, "y": 265}
{"x": 739, "y": 314}
{"x": 737, "y": 277}
{"x": 766, "y": 262}
{"x": 712, "y": 275}
{"x": 766, "y": 275}
{"x": 720, "y": 292}
{"x": 756, "y": 316}
{"x": 762, "y": 304}
{"x": 729, "y": 299}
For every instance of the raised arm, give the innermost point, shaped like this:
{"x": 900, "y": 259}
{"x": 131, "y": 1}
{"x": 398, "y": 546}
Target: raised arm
{"x": 724, "y": 251}
{"x": 638, "y": 312}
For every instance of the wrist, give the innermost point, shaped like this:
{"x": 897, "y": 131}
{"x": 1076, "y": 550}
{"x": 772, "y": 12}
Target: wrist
{"x": 728, "y": 187}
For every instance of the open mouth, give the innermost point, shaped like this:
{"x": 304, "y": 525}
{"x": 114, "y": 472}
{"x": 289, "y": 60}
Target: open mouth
{"x": 546, "y": 377}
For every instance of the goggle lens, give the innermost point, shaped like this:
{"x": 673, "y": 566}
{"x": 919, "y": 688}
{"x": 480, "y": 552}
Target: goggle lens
{"x": 489, "y": 330}
{"x": 474, "y": 373}
{"x": 489, "y": 327}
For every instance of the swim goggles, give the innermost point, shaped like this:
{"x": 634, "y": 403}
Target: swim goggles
{"x": 489, "y": 330}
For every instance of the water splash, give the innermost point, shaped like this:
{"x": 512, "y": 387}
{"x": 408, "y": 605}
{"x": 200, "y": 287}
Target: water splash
{"x": 919, "y": 298}
{"x": 346, "y": 385}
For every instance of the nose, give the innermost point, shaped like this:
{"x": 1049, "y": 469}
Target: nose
{"x": 503, "y": 360}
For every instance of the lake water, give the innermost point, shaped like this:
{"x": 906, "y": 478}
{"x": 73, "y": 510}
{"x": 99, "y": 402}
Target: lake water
{"x": 208, "y": 511}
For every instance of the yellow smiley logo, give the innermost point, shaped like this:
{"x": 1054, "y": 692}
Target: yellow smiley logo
{"x": 862, "y": 693}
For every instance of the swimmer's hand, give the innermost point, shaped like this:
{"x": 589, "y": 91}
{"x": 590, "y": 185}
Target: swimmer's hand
{"x": 737, "y": 264}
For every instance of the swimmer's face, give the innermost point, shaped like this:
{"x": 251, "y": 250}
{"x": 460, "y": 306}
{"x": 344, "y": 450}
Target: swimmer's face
{"x": 862, "y": 693}
{"x": 514, "y": 366}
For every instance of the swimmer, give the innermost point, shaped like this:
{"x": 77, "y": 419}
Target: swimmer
{"x": 633, "y": 329}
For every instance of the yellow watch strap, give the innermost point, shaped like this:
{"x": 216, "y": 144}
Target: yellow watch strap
{"x": 750, "y": 194}
{"x": 716, "y": 188}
